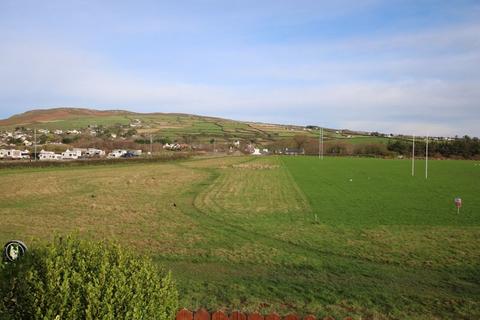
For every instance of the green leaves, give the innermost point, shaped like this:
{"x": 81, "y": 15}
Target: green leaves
{"x": 77, "y": 279}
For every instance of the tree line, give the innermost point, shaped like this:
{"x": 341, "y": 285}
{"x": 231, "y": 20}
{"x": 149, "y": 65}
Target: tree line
{"x": 458, "y": 148}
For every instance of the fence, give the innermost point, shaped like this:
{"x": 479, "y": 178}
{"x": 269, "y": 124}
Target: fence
{"x": 203, "y": 314}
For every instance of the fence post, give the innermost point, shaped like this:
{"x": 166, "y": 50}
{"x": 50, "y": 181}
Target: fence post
{"x": 201, "y": 314}
{"x": 290, "y": 317}
{"x": 219, "y": 315}
{"x": 184, "y": 314}
{"x": 255, "y": 316}
{"x": 237, "y": 315}
{"x": 272, "y": 316}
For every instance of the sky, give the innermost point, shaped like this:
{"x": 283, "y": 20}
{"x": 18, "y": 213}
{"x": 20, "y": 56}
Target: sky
{"x": 410, "y": 67}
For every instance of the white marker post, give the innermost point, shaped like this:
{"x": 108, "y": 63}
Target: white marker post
{"x": 413, "y": 157}
{"x": 458, "y": 204}
{"x": 426, "y": 159}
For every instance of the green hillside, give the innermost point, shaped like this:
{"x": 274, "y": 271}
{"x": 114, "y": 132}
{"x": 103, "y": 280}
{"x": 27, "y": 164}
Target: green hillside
{"x": 174, "y": 126}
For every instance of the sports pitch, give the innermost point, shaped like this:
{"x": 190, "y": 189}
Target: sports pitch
{"x": 342, "y": 236}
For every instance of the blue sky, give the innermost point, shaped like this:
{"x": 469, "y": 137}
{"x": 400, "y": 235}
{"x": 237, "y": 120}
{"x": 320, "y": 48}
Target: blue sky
{"x": 390, "y": 66}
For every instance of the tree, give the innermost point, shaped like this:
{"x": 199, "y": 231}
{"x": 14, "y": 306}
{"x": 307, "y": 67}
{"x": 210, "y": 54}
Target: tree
{"x": 300, "y": 141}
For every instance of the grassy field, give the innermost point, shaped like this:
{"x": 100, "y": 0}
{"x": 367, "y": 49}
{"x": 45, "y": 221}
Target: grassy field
{"x": 341, "y": 236}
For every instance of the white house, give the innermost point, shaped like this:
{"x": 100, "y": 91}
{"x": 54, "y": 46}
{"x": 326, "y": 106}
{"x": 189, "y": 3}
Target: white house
{"x": 49, "y": 155}
{"x": 136, "y": 152}
{"x": 25, "y": 154}
{"x": 11, "y": 154}
{"x": 71, "y": 154}
{"x": 58, "y": 131}
{"x": 237, "y": 143}
{"x": 92, "y": 152}
{"x": 256, "y": 152}
{"x": 117, "y": 153}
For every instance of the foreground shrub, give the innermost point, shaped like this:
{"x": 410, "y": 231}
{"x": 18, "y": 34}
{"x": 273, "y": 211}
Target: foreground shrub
{"x": 77, "y": 279}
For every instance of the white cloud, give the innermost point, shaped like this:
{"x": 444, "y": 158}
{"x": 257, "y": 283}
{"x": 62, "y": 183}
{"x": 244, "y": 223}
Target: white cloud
{"x": 436, "y": 94}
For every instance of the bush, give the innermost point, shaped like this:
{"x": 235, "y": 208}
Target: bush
{"x": 372, "y": 149}
{"x": 77, "y": 279}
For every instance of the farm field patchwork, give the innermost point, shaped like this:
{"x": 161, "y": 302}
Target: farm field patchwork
{"x": 342, "y": 236}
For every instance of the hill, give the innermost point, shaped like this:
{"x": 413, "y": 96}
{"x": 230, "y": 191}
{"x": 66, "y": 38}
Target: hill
{"x": 173, "y": 126}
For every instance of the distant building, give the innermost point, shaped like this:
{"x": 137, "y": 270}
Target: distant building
{"x": 293, "y": 151}
{"x": 94, "y": 153}
{"x": 49, "y": 155}
{"x": 118, "y": 153}
{"x": 25, "y": 154}
{"x": 71, "y": 154}
{"x": 256, "y": 152}
{"x": 135, "y": 153}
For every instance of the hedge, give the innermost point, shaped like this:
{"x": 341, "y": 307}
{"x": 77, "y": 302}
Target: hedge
{"x": 78, "y": 279}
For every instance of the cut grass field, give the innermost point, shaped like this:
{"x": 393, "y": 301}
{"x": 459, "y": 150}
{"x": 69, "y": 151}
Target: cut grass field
{"x": 341, "y": 236}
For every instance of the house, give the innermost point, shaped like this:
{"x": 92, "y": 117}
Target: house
{"x": 256, "y": 152}
{"x": 58, "y": 132}
{"x": 175, "y": 146}
{"x": 237, "y": 143}
{"x": 136, "y": 123}
{"x": 25, "y": 154}
{"x": 80, "y": 150}
{"x": 73, "y": 132}
{"x": 117, "y": 153}
{"x": 94, "y": 153}
{"x": 71, "y": 154}
{"x": 135, "y": 153}
{"x": 14, "y": 154}
{"x": 294, "y": 151}
{"x": 49, "y": 155}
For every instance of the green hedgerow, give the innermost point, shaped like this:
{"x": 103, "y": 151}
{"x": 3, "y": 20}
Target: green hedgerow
{"x": 78, "y": 279}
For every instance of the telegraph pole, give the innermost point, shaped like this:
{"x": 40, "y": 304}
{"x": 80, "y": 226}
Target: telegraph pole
{"x": 151, "y": 146}
{"x": 426, "y": 159}
{"x": 413, "y": 157}
{"x": 322, "y": 143}
{"x": 319, "y": 143}
{"x": 35, "y": 142}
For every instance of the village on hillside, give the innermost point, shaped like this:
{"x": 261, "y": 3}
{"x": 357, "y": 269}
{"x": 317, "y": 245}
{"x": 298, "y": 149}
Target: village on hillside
{"x": 29, "y": 144}
{"x": 136, "y": 139}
